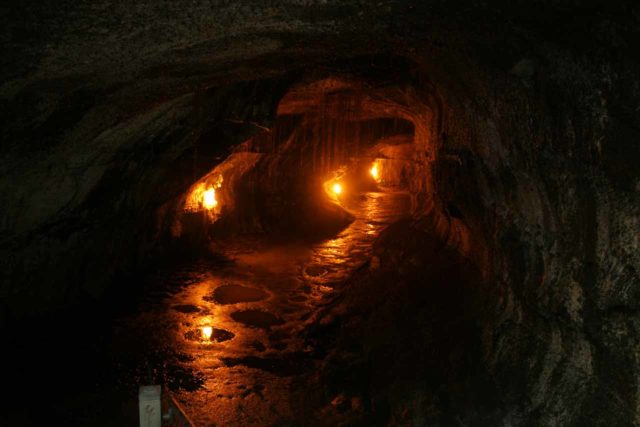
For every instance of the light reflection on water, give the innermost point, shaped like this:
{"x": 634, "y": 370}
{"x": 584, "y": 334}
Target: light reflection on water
{"x": 207, "y": 331}
{"x": 246, "y": 353}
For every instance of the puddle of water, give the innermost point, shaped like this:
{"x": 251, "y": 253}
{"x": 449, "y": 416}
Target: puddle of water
{"x": 315, "y": 271}
{"x": 233, "y": 294}
{"x": 257, "y": 319}
{"x": 186, "y": 308}
{"x": 216, "y": 335}
{"x": 241, "y": 375}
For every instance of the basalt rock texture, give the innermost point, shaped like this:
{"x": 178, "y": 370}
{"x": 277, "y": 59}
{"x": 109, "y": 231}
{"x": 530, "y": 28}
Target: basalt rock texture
{"x": 527, "y": 121}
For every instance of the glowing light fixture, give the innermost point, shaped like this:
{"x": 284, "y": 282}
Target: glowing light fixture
{"x": 337, "y": 188}
{"x": 209, "y": 198}
{"x": 207, "y": 331}
{"x": 375, "y": 171}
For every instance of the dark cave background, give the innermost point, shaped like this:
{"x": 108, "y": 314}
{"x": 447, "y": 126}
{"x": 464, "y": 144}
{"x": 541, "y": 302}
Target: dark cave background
{"x": 527, "y": 207}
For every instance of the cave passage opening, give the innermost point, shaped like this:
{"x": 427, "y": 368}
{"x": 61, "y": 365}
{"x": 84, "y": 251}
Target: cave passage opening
{"x": 274, "y": 256}
{"x": 327, "y": 205}
{"x": 295, "y": 211}
{"x": 333, "y": 141}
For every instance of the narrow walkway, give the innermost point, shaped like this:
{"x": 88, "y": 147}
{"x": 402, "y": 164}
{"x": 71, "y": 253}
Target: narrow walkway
{"x": 256, "y": 307}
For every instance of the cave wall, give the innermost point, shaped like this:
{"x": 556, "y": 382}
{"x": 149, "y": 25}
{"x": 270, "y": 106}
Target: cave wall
{"x": 87, "y": 205}
{"x": 527, "y": 161}
{"x": 534, "y": 176}
{"x": 523, "y": 187}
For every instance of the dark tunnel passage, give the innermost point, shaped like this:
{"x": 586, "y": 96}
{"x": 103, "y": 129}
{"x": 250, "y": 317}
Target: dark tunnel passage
{"x": 294, "y": 216}
{"x": 260, "y": 258}
{"x": 321, "y": 213}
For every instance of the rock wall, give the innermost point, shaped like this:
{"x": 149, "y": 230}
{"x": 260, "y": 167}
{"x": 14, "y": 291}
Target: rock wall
{"x": 528, "y": 164}
{"x": 111, "y": 110}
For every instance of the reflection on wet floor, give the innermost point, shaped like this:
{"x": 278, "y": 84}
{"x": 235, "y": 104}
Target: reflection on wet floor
{"x": 233, "y": 330}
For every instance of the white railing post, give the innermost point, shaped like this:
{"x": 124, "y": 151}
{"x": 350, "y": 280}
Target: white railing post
{"x": 150, "y": 406}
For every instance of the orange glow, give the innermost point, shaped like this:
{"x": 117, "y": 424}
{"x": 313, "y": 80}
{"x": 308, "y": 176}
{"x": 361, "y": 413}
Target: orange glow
{"x": 333, "y": 186}
{"x": 205, "y": 195}
{"x": 207, "y": 331}
{"x": 375, "y": 171}
{"x": 209, "y": 198}
{"x": 337, "y": 188}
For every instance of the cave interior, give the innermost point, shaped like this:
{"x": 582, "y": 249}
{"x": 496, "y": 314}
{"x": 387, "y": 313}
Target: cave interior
{"x": 322, "y": 214}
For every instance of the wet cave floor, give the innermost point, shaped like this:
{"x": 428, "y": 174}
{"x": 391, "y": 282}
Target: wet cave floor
{"x": 256, "y": 303}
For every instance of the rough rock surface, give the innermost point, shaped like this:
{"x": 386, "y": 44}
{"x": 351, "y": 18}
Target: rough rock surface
{"x": 111, "y": 110}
